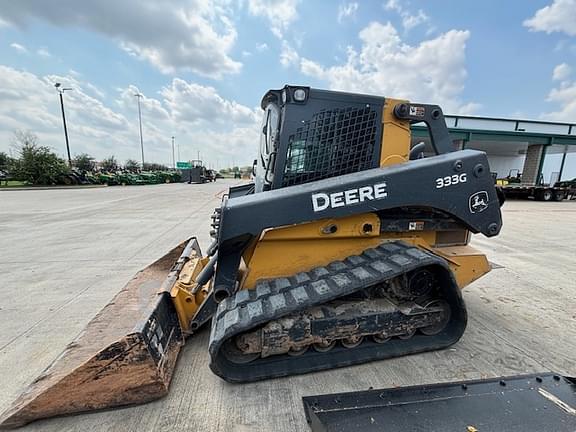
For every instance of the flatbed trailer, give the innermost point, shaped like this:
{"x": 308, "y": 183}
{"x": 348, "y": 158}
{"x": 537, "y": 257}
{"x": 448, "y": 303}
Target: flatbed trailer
{"x": 538, "y": 192}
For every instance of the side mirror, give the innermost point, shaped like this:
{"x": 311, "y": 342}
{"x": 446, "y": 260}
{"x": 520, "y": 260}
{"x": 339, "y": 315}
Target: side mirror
{"x": 254, "y": 167}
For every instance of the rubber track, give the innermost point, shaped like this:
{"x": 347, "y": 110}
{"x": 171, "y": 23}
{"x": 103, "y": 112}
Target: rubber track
{"x": 274, "y": 298}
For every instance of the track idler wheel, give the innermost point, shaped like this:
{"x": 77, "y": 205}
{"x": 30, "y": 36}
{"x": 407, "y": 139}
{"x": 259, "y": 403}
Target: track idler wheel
{"x": 437, "y": 328}
{"x": 407, "y": 335}
{"x": 381, "y": 338}
{"x": 352, "y": 341}
{"x": 298, "y": 352}
{"x": 324, "y": 346}
{"x": 233, "y": 351}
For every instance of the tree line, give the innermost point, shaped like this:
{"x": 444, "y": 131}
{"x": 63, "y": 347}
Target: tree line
{"x": 39, "y": 165}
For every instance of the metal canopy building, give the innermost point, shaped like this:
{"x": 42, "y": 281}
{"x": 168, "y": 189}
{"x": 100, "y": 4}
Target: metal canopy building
{"x": 543, "y": 151}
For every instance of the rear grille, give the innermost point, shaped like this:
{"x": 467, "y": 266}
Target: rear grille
{"x": 334, "y": 142}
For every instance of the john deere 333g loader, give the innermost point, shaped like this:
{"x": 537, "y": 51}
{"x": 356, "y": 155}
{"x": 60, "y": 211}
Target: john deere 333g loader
{"x": 348, "y": 247}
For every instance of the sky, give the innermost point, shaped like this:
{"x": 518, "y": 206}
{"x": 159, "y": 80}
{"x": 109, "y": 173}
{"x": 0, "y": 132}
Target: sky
{"x": 202, "y": 66}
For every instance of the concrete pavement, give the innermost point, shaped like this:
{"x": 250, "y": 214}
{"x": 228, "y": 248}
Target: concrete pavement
{"x": 65, "y": 254}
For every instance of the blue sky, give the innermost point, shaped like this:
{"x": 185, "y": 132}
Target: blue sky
{"x": 203, "y": 65}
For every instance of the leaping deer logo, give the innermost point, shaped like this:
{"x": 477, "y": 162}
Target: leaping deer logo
{"x": 478, "y": 202}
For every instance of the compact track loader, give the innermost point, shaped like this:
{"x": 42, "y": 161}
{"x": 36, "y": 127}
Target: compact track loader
{"x": 349, "y": 246}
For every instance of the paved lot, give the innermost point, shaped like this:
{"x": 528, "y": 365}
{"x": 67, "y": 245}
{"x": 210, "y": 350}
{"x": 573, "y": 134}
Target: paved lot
{"x": 64, "y": 254}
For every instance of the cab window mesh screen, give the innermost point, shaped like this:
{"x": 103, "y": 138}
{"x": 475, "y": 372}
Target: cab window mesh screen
{"x": 332, "y": 143}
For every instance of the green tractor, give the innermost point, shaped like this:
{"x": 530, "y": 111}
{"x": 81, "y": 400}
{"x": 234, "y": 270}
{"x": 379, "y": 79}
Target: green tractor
{"x": 150, "y": 177}
{"x": 126, "y": 178}
{"x": 107, "y": 179}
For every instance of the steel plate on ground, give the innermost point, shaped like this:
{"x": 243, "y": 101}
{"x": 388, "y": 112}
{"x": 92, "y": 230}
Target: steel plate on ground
{"x": 527, "y": 403}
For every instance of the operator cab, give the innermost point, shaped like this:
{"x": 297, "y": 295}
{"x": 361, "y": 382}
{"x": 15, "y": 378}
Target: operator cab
{"x": 309, "y": 135}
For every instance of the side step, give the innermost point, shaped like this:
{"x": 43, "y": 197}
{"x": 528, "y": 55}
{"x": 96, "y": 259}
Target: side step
{"x": 125, "y": 355}
{"x": 525, "y": 403}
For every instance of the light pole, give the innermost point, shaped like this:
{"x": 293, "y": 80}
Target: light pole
{"x": 61, "y": 91}
{"x": 173, "y": 156}
{"x": 139, "y": 95}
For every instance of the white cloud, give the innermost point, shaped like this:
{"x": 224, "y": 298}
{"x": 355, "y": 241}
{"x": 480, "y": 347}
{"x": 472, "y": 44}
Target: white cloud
{"x": 28, "y": 101}
{"x": 310, "y": 68}
{"x": 42, "y": 52}
{"x": 409, "y": 19}
{"x": 393, "y": 5}
{"x": 347, "y": 10}
{"x": 90, "y": 88}
{"x": 222, "y": 129}
{"x": 561, "y": 72}
{"x": 387, "y": 66}
{"x": 195, "y": 104}
{"x": 288, "y": 55}
{"x": 194, "y": 35}
{"x": 151, "y": 107}
{"x": 279, "y": 13}
{"x": 18, "y": 47}
{"x": 560, "y": 16}
{"x": 261, "y": 47}
{"x": 198, "y": 116}
{"x": 564, "y": 95}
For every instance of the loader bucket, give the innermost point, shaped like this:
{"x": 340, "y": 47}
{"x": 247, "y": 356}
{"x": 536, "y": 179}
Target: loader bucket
{"x": 125, "y": 355}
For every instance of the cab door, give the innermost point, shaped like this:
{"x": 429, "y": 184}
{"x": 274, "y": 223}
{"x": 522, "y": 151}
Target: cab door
{"x": 268, "y": 146}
